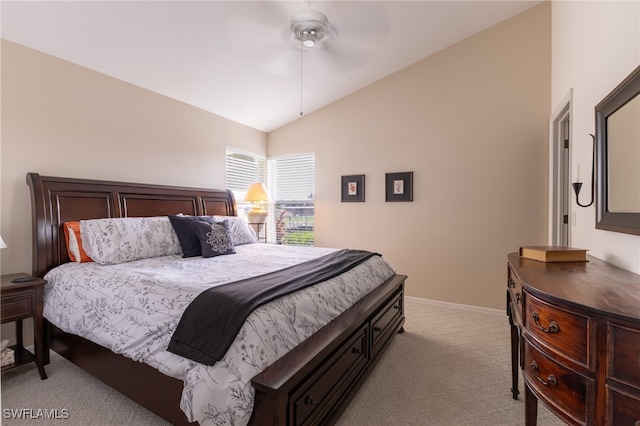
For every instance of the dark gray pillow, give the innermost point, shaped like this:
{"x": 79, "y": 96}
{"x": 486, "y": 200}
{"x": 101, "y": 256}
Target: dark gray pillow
{"x": 188, "y": 234}
{"x": 214, "y": 238}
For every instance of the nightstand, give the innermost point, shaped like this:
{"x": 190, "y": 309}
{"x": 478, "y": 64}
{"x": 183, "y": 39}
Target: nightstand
{"x": 20, "y": 300}
{"x": 261, "y": 231}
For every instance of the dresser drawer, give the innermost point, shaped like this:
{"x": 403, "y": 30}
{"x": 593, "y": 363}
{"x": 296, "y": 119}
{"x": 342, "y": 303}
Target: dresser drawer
{"x": 624, "y": 361}
{"x": 565, "y": 332}
{"x": 624, "y": 409}
{"x": 514, "y": 296}
{"x": 17, "y": 306}
{"x": 330, "y": 383}
{"x": 383, "y": 324}
{"x": 568, "y": 392}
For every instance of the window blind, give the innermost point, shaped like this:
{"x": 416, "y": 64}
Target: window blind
{"x": 243, "y": 169}
{"x": 292, "y": 178}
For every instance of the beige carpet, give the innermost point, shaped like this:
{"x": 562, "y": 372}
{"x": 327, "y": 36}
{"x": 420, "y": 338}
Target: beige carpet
{"x": 450, "y": 367}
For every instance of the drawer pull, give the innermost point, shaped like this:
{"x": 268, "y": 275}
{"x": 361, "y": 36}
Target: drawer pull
{"x": 511, "y": 283}
{"x": 310, "y": 400}
{"x": 553, "y": 327}
{"x": 377, "y": 329}
{"x": 551, "y": 379}
{"x": 355, "y": 351}
{"x": 518, "y": 297}
{"x": 396, "y": 307}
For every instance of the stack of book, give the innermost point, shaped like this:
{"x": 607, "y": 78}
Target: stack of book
{"x": 554, "y": 253}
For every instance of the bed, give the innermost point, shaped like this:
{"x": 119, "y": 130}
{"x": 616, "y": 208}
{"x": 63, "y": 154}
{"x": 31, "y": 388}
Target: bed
{"x": 310, "y": 384}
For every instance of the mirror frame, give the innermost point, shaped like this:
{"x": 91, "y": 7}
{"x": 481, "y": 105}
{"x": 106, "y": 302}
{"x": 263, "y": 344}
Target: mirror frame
{"x": 628, "y": 223}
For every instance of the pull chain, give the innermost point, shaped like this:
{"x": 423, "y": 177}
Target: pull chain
{"x": 301, "y": 55}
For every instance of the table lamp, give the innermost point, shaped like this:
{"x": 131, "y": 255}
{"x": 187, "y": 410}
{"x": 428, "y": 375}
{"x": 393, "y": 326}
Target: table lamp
{"x": 257, "y": 194}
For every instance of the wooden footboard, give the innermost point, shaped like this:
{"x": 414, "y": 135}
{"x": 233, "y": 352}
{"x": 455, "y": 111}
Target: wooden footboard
{"x": 315, "y": 382}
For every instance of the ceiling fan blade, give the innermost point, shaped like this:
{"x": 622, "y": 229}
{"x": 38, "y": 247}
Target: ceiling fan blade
{"x": 342, "y": 59}
{"x": 247, "y": 33}
{"x": 259, "y": 23}
{"x": 358, "y": 20}
{"x": 360, "y": 27}
{"x": 285, "y": 63}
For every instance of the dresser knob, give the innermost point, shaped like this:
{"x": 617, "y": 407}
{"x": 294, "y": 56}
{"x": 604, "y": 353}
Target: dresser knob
{"x": 551, "y": 379}
{"x": 310, "y": 400}
{"x": 511, "y": 283}
{"x": 355, "y": 351}
{"x": 553, "y": 327}
{"x": 377, "y": 329}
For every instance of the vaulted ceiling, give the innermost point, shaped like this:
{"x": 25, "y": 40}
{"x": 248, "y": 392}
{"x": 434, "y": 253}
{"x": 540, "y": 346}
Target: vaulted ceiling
{"x": 235, "y": 58}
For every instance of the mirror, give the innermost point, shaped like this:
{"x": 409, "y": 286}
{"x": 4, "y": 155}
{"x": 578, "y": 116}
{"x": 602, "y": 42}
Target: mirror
{"x": 618, "y": 158}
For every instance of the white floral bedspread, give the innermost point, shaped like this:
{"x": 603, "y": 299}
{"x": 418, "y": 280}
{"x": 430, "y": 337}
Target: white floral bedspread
{"x": 133, "y": 308}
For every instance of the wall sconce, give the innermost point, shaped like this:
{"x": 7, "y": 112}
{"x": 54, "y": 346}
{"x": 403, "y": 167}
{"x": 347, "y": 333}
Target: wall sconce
{"x": 257, "y": 194}
{"x": 578, "y": 185}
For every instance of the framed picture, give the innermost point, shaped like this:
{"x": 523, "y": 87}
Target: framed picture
{"x": 353, "y": 188}
{"x": 399, "y": 186}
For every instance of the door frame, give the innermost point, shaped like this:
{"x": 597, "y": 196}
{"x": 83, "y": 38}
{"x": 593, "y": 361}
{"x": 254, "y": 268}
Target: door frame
{"x": 560, "y": 161}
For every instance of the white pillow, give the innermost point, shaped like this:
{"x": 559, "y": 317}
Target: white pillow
{"x": 239, "y": 230}
{"x": 119, "y": 240}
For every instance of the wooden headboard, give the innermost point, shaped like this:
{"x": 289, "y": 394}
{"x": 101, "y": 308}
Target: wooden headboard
{"x": 56, "y": 200}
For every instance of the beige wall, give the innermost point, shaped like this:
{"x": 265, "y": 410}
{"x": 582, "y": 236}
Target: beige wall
{"x": 60, "y": 119}
{"x": 471, "y": 122}
{"x": 596, "y": 44}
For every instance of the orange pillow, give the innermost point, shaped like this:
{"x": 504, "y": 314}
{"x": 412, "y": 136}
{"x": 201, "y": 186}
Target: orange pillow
{"x": 74, "y": 242}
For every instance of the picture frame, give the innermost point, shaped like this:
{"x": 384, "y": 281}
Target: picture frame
{"x": 399, "y": 186}
{"x": 352, "y": 187}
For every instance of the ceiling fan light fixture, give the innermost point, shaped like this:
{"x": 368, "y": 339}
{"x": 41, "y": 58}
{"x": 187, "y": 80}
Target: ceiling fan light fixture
{"x": 308, "y": 37}
{"x": 311, "y": 28}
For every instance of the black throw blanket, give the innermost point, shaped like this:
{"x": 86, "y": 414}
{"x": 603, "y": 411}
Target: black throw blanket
{"x": 211, "y": 322}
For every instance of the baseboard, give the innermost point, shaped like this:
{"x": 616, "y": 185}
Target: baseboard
{"x": 468, "y": 308}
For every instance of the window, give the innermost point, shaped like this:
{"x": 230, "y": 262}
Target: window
{"x": 290, "y": 182}
{"x": 292, "y": 186}
{"x": 243, "y": 169}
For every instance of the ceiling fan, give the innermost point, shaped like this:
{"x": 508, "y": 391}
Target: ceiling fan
{"x": 339, "y": 36}
{"x": 344, "y": 34}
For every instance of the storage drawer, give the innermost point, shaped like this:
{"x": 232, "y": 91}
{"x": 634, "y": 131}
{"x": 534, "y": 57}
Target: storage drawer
{"x": 17, "y": 306}
{"x": 328, "y": 384}
{"x": 514, "y": 297}
{"x": 624, "y": 409}
{"x": 567, "y": 391}
{"x": 624, "y": 361}
{"x": 563, "y": 331}
{"x": 383, "y": 324}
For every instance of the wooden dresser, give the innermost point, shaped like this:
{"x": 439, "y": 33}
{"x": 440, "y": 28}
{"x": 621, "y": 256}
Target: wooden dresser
{"x": 575, "y": 334}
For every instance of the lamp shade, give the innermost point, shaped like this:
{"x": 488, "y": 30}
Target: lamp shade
{"x": 2, "y": 243}
{"x": 256, "y": 193}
